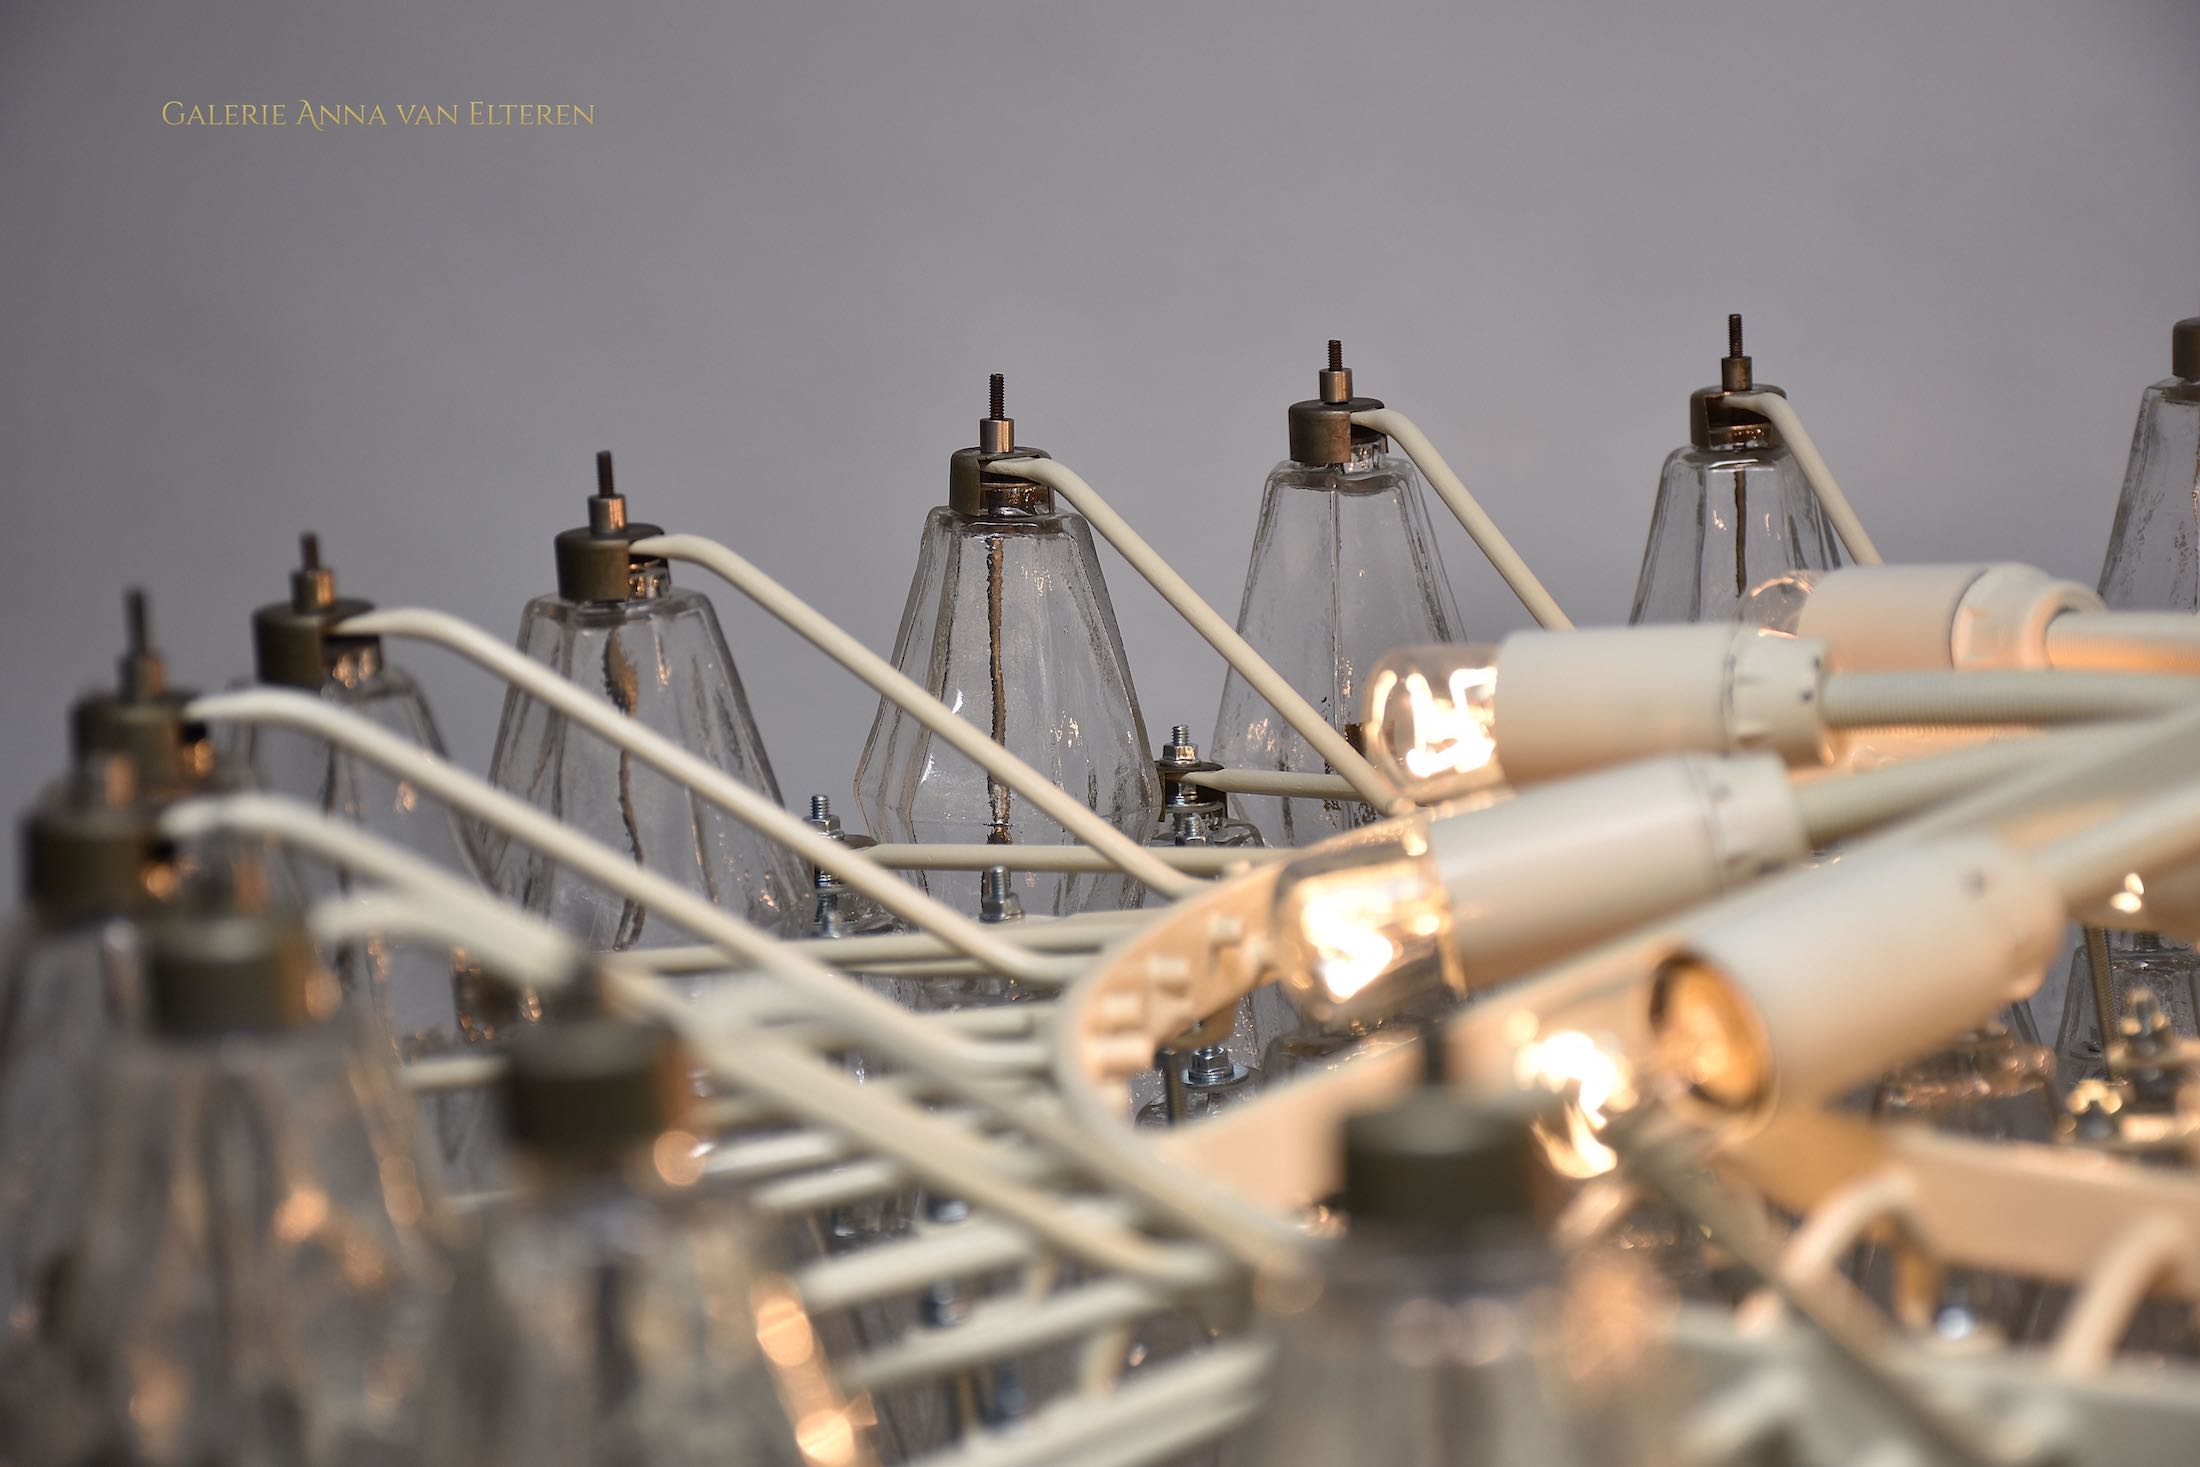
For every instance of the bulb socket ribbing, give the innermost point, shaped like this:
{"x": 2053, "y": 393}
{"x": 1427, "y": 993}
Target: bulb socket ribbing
{"x": 215, "y": 975}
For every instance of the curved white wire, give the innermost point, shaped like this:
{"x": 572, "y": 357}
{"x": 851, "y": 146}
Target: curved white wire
{"x": 977, "y": 856}
{"x": 600, "y": 717}
{"x": 1505, "y": 560}
{"x": 821, "y": 632}
{"x": 747, "y": 1056}
{"x": 1303, "y": 717}
{"x": 1781, "y": 414}
{"x": 972, "y": 1071}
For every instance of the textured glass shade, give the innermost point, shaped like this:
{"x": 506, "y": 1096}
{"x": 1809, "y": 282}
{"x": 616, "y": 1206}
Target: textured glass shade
{"x": 1009, "y": 623}
{"x": 419, "y": 994}
{"x": 662, "y": 660}
{"x": 64, "y": 992}
{"x": 265, "y": 1269}
{"x": 1344, "y": 568}
{"x": 1726, "y": 521}
{"x": 1421, "y": 1356}
{"x": 2153, "y": 559}
{"x": 2167, "y": 968}
{"x": 602, "y": 1324}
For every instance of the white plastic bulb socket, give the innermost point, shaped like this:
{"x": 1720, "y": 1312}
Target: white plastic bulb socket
{"x": 1445, "y": 720}
{"x": 1476, "y": 897}
{"x": 1922, "y": 618}
{"x": 1847, "y": 971}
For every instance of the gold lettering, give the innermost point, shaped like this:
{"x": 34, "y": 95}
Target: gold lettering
{"x": 306, "y": 117}
{"x": 175, "y": 121}
{"x": 375, "y": 116}
{"x": 275, "y": 114}
{"x": 586, "y": 114}
{"x": 444, "y": 114}
{"x": 473, "y": 113}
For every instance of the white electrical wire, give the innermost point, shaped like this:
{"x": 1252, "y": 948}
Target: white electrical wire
{"x": 445, "y": 904}
{"x": 749, "y": 1057}
{"x": 1291, "y": 784}
{"x": 1082, "y": 933}
{"x": 1505, "y": 560}
{"x": 960, "y": 1067}
{"x": 601, "y": 717}
{"x": 1998, "y": 696}
{"x": 1203, "y": 619}
{"x": 2126, "y": 641}
{"x": 1781, "y": 414}
{"x": 977, "y": 856}
{"x": 966, "y": 738}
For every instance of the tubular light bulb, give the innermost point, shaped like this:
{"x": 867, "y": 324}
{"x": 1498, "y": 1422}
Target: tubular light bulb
{"x": 1432, "y": 718}
{"x": 1366, "y": 927}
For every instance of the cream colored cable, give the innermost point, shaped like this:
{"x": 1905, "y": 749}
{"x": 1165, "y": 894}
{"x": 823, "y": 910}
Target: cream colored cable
{"x": 1289, "y": 783}
{"x": 1781, "y": 414}
{"x": 959, "y": 1067}
{"x": 445, "y": 903}
{"x": 1083, "y": 933}
{"x": 601, "y": 717}
{"x": 897, "y": 1032}
{"x": 813, "y": 626}
{"x": 2125, "y": 641}
{"x": 977, "y": 856}
{"x": 933, "y": 1149}
{"x": 1505, "y": 560}
{"x": 1235, "y": 650}
{"x": 1997, "y": 696}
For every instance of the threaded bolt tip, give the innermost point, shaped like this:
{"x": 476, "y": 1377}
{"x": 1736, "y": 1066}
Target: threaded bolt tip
{"x": 1734, "y": 334}
{"x": 997, "y": 396}
{"x": 1336, "y": 355}
{"x": 606, "y": 486}
{"x": 820, "y": 806}
{"x": 309, "y": 551}
{"x": 138, "y": 615}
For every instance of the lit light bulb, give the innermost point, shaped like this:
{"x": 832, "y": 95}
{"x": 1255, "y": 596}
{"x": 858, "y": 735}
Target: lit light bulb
{"x": 1592, "y": 1081}
{"x": 1432, "y": 718}
{"x": 1366, "y": 927}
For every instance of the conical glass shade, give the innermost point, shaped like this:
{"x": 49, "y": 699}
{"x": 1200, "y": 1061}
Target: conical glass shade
{"x": 1009, "y": 623}
{"x": 598, "y": 1323}
{"x": 419, "y": 994}
{"x": 64, "y": 992}
{"x": 1344, "y": 568}
{"x": 265, "y": 1270}
{"x": 662, "y": 660}
{"x": 2153, "y": 559}
{"x": 1726, "y": 521}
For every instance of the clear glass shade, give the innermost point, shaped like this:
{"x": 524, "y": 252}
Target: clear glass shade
{"x": 1344, "y": 568}
{"x": 1726, "y": 521}
{"x": 662, "y": 660}
{"x": 1009, "y": 623}
{"x": 419, "y": 993}
{"x": 2153, "y": 561}
{"x": 600, "y": 1323}
{"x": 1482, "y": 1354}
{"x": 266, "y": 1269}
{"x": 64, "y": 992}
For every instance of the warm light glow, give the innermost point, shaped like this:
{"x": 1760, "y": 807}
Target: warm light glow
{"x": 678, "y": 1158}
{"x": 2132, "y": 897}
{"x": 1708, "y": 1036}
{"x": 1432, "y": 712}
{"x": 1366, "y": 924}
{"x": 1593, "y": 1081}
{"x": 1350, "y": 949}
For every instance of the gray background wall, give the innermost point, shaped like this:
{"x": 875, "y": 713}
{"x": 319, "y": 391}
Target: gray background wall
{"x": 775, "y": 272}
